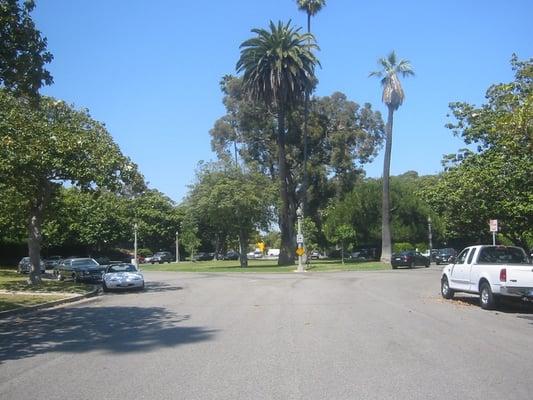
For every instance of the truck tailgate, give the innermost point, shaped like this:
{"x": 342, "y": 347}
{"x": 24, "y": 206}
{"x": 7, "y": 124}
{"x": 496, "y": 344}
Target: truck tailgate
{"x": 520, "y": 275}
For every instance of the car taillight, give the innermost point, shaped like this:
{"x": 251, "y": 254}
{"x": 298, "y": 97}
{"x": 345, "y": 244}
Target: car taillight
{"x": 503, "y": 275}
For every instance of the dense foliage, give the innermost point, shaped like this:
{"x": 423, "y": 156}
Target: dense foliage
{"x": 495, "y": 180}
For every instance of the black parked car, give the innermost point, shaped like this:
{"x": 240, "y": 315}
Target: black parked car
{"x": 445, "y": 256}
{"x": 409, "y": 259}
{"x": 161, "y": 257}
{"x": 52, "y": 262}
{"x": 80, "y": 270}
{"x": 201, "y": 256}
{"x": 231, "y": 255}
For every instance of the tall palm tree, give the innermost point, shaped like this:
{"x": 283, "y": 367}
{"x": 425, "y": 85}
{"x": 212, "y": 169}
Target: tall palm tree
{"x": 278, "y": 69}
{"x": 311, "y": 8}
{"x": 393, "y": 97}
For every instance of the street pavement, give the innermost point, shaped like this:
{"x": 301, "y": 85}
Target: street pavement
{"x": 348, "y": 335}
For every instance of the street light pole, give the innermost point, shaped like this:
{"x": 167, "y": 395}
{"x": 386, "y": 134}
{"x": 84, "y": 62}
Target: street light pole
{"x": 177, "y": 247}
{"x": 135, "y": 245}
{"x": 300, "y": 239}
{"x": 430, "y": 237}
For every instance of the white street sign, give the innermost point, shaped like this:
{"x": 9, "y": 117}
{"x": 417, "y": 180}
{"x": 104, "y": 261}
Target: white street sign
{"x": 300, "y": 238}
{"x": 493, "y": 225}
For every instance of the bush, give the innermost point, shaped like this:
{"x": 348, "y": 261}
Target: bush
{"x": 402, "y": 246}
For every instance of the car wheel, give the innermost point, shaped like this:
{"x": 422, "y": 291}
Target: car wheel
{"x": 445, "y": 290}
{"x": 427, "y": 265}
{"x": 105, "y": 289}
{"x": 59, "y": 277}
{"x": 412, "y": 265}
{"x": 141, "y": 288}
{"x": 487, "y": 299}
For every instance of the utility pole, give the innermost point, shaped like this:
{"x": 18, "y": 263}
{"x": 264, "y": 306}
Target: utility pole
{"x": 300, "y": 239}
{"x": 135, "y": 245}
{"x": 430, "y": 236}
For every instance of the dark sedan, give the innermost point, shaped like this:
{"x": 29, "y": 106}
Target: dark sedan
{"x": 409, "y": 259}
{"x": 79, "y": 269}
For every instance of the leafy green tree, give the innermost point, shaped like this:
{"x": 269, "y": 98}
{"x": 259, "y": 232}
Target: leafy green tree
{"x": 278, "y": 70}
{"x": 158, "y": 219}
{"x": 495, "y": 181}
{"x": 41, "y": 148}
{"x": 23, "y": 53}
{"x": 340, "y": 233}
{"x": 343, "y": 136}
{"x": 393, "y": 96}
{"x": 233, "y": 202}
{"x": 311, "y": 8}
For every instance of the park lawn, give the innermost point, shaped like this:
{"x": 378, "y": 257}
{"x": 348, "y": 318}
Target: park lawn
{"x": 13, "y": 301}
{"x": 11, "y": 281}
{"x": 264, "y": 266}
{"x": 16, "y": 293}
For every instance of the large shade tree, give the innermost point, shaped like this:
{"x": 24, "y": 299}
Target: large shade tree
{"x": 311, "y": 8}
{"x": 278, "y": 68}
{"x": 493, "y": 179}
{"x": 23, "y": 53}
{"x": 393, "y": 97}
{"x": 43, "y": 147}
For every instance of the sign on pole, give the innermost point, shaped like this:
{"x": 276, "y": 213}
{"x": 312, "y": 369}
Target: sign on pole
{"x": 493, "y": 228}
{"x": 299, "y": 238}
{"x": 300, "y": 251}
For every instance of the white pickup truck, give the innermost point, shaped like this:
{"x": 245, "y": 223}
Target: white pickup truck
{"x": 490, "y": 271}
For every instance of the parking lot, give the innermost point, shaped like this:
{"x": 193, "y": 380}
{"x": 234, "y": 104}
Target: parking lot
{"x": 349, "y": 335}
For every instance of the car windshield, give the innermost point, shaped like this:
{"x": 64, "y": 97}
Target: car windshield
{"x": 502, "y": 255}
{"x": 406, "y": 253}
{"x": 122, "y": 268}
{"x": 84, "y": 261}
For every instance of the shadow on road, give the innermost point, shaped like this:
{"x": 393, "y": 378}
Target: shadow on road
{"x": 83, "y": 329}
{"x": 507, "y": 306}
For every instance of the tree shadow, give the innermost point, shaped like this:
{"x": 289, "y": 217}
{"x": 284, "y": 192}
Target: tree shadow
{"x": 83, "y": 329}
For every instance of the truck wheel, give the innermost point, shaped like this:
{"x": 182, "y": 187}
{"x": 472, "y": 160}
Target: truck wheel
{"x": 487, "y": 299}
{"x": 445, "y": 290}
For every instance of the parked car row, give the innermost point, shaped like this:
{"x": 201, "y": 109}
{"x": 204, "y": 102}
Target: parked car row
{"x": 409, "y": 258}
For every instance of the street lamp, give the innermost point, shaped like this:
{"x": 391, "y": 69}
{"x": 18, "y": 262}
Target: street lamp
{"x": 177, "y": 247}
{"x": 430, "y": 237}
{"x": 135, "y": 245}
{"x": 300, "y": 239}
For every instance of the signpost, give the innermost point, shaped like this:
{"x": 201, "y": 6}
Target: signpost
{"x": 493, "y": 224}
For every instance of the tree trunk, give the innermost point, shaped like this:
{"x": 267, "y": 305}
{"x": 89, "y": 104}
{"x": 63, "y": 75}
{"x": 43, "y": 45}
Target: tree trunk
{"x": 243, "y": 247}
{"x": 35, "y": 221}
{"x": 286, "y": 254}
{"x": 386, "y": 241}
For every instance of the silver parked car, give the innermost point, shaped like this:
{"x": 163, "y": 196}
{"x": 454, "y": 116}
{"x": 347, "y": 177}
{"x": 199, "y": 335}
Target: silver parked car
{"x": 25, "y": 266}
{"x": 122, "y": 276}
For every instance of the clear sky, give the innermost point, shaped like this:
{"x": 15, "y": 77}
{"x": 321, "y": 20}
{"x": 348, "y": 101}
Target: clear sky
{"x": 150, "y": 69}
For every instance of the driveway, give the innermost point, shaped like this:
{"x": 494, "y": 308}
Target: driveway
{"x": 351, "y": 335}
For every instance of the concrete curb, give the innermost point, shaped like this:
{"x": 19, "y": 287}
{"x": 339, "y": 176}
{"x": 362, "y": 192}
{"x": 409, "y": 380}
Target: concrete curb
{"x": 24, "y": 310}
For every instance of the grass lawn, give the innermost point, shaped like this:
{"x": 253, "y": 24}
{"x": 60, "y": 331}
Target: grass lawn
{"x": 264, "y": 266}
{"x": 48, "y": 290}
{"x": 12, "y": 301}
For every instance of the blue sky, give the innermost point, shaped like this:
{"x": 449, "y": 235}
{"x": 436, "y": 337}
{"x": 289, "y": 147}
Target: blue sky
{"x": 150, "y": 70}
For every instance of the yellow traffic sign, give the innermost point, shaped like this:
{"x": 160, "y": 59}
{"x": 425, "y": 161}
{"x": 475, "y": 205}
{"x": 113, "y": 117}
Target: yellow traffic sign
{"x": 300, "y": 251}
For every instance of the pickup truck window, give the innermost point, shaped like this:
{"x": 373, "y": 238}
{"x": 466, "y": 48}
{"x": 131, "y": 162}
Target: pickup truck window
{"x": 502, "y": 255}
{"x": 461, "y": 258}
{"x": 470, "y": 258}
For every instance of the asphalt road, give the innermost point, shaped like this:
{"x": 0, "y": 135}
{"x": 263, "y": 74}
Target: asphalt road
{"x": 359, "y": 335}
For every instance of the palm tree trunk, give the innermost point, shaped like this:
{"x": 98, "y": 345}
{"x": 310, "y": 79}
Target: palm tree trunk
{"x": 286, "y": 254}
{"x": 386, "y": 240}
{"x": 306, "y": 122}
